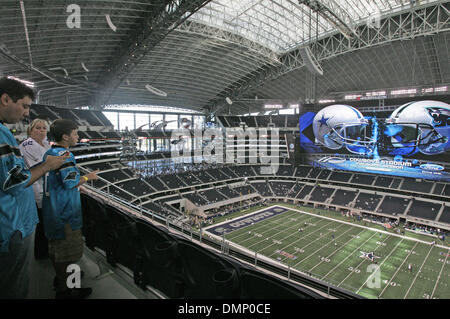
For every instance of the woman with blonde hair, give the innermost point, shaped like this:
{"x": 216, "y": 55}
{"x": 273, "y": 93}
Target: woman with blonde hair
{"x": 33, "y": 150}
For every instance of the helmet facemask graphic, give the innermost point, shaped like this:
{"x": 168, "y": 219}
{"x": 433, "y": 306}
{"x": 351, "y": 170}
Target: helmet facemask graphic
{"x": 338, "y": 126}
{"x": 419, "y": 126}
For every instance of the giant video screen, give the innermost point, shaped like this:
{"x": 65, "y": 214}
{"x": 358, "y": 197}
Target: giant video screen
{"x": 411, "y": 141}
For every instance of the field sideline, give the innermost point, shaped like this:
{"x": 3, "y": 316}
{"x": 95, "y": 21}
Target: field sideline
{"x": 333, "y": 251}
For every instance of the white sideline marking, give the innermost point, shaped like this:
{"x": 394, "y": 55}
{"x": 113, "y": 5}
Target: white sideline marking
{"x": 398, "y": 269}
{"x": 437, "y": 280}
{"x": 418, "y": 272}
{"x": 349, "y": 255}
{"x": 380, "y": 264}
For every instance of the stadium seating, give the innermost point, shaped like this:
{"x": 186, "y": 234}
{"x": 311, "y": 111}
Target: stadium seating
{"x": 362, "y": 179}
{"x": 393, "y": 205}
{"x": 383, "y": 181}
{"x": 302, "y": 171}
{"x": 295, "y": 189}
{"x": 196, "y": 199}
{"x": 438, "y": 189}
{"x": 284, "y": 170}
{"x": 367, "y": 201}
{"x": 321, "y": 194}
{"x": 176, "y": 267}
{"x": 343, "y": 197}
{"x": 422, "y": 209}
{"x": 212, "y": 195}
{"x": 445, "y": 216}
{"x": 228, "y": 192}
{"x": 172, "y": 181}
{"x": 340, "y": 177}
{"x": 281, "y": 189}
{"x": 136, "y": 186}
{"x": 263, "y": 188}
{"x": 305, "y": 191}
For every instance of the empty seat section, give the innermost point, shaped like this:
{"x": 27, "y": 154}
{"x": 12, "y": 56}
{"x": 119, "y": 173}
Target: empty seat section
{"x": 321, "y": 194}
{"x": 113, "y": 176}
{"x": 212, "y": 195}
{"x": 324, "y": 174}
{"x": 263, "y": 120}
{"x": 292, "y": 120}
{"x": 226, "y": 173}
{"x": 244, "y": 190}
{"x": 172, "y": 181}
{"x": 204, "y": 177}
{"x": 340, "y": 176}
{"x": 305, "y": 191}
{"x": 243, "y": 171}
{"x": 294, "y": 190}
{"x": 196, "y": 199}
{"x": 422, "y": 209}
{"x": 438, "y": 189}
{"x": 367, "y": 201}
{"x": 218, "y": 174}
{"x": 314, "y": 172}
{"x": 263, "y": 188}
{"x": 281, "y": 189}
{"x": 155, "y": 183}
{"x": 362, "y": 179}
{"x": 410, "y": 184}
{"x": 279, "y": 120}
{"x": 284, "y": 170}
{"x": 445, "y": 216}
{"x": 189, "y": 179}
{"x": 302, "y": 171}
{"x": 343, "y": 197}
{"x": 136, "y": 187}
{"x": 228, "y": 192}
{"x": 393, "y": 205}
{"x": 383, "y": 181}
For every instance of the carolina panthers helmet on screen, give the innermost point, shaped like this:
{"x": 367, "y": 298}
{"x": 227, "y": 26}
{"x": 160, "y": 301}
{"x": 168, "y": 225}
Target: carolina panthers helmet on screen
{"x": 422, "y": 126}
{"x": 340, "y": 125}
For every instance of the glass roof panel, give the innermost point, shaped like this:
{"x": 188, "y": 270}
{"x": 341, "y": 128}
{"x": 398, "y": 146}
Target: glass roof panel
{"x": 282, "y": 25}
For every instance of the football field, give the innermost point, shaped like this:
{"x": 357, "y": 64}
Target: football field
{"x": 336, "y": 252}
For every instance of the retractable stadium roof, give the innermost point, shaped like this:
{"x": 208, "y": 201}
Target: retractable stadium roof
{"x": 195, "y": 53}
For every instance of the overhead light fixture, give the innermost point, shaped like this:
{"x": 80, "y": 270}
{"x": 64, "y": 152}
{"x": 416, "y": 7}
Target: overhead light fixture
{"x": 228, "y": 100}
{"x": 155, "y": 90}
{"x": 273, "y": 106}
{"x": 27, "y": 83}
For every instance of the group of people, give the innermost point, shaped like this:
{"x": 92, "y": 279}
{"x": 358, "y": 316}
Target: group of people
{"x": 39, "y": 197}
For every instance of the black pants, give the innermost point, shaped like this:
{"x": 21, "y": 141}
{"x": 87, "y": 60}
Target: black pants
{"x": 40, "y": 241}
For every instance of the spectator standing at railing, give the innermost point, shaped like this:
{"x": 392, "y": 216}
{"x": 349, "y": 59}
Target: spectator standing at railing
{"x": 18, "y": 214}
{"x": 33, "y": 150}
{"x": 61, "y": 210}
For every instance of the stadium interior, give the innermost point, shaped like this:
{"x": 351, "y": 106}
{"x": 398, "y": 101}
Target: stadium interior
{"x": 182, "y": 120}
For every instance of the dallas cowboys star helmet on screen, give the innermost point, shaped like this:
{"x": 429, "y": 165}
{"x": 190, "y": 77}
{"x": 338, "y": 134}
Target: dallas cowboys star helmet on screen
{"x": 422, "y": 126}
{"x": 340, "y": 125}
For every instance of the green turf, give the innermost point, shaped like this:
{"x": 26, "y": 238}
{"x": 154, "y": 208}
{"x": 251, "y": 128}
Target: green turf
{"x": 338, "y": 260}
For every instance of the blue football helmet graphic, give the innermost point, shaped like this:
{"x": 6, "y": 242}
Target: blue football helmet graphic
{"x": 337, "y": 126}
{"x": 422, "y": 126}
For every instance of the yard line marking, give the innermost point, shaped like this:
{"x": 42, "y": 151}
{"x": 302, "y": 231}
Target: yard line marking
{"x": 369, "y": 228}
{"x": 418, "y": 272}
{"x": 311, "y": 242}
{"x": 331, "y": 253}
{"x": 256, "y": 228}
{"x": 294, "y": 233}
{"x": 349, "y": 255}
{"x": 437, "y": 280}
{"x": 361, "y": 264}
{"x": 379, "y": 266}
{"x": 398, "y": 269}
{"x": 271, "y": 229}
